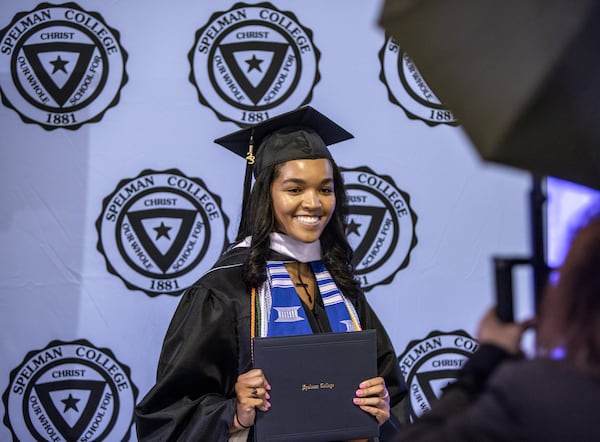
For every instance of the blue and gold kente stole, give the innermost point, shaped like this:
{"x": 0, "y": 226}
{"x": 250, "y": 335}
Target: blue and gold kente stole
{"x": 280, "y": 311}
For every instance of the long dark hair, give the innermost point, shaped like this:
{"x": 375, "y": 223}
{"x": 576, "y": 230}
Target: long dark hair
{"x": 259, "y": 222}
{"x": 570, "y": 315}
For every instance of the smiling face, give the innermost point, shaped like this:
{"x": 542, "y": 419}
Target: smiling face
{"x": 303, "y": 198}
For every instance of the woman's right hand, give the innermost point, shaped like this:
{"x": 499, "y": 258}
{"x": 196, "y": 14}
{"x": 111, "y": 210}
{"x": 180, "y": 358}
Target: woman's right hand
{"x": 252, "y": 392}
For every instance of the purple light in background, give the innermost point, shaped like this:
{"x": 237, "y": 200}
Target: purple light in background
{"x": 558, "y": 353}
{"x": 567, "y": 203}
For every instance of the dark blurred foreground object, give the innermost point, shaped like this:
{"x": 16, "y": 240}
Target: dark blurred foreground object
{"x": 522, "y": 76}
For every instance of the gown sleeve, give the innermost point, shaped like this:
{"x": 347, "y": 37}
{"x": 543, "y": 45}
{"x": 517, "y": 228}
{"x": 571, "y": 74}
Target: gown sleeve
{"x": 194, "y": 394}
{"x": 388, "y": 368}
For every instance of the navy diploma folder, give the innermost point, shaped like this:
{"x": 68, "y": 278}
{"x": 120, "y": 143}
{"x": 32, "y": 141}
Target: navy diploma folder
{"x": 313, "y": 381}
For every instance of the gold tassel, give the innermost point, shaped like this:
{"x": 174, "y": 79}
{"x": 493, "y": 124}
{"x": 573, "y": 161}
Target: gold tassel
{"x": 250, "y": 154}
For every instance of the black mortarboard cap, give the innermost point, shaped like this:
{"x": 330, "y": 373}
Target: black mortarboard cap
{"x": 303, "y": 133}
{"x": 276, "y": 140}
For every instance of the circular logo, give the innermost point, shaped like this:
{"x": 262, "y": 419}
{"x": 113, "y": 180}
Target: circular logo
{"x": 407, "y": 88}
{"x": 253, "y": 62}
{"x": 70, "y": 391}
{"x": 66, "y": 66}
{"x": 430, "y": 364}
{"x": 381, "y": 226}
{"x": 160, "y": 231}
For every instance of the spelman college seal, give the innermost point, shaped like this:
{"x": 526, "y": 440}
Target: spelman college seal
{"x": 160, "y": 231}
{"x": 408, "y": 89}
{"x": 70, "y": 391}
{"x": 253, "y": 62}
{"x": 66, "y": 66}
{"x": 430, "y": 364}
{"x": 381, "y": 226}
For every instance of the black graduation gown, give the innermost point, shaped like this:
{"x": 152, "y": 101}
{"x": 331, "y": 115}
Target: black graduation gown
{"x": 207, "y": 346}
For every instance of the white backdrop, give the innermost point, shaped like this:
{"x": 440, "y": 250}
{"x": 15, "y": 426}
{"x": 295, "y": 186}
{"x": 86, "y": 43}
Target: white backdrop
{"x": 64, "y": 310}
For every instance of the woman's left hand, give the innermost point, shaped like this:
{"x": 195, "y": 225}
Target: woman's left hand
{"x": 506, "y": 335}
{"x": 373, "y": 397}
